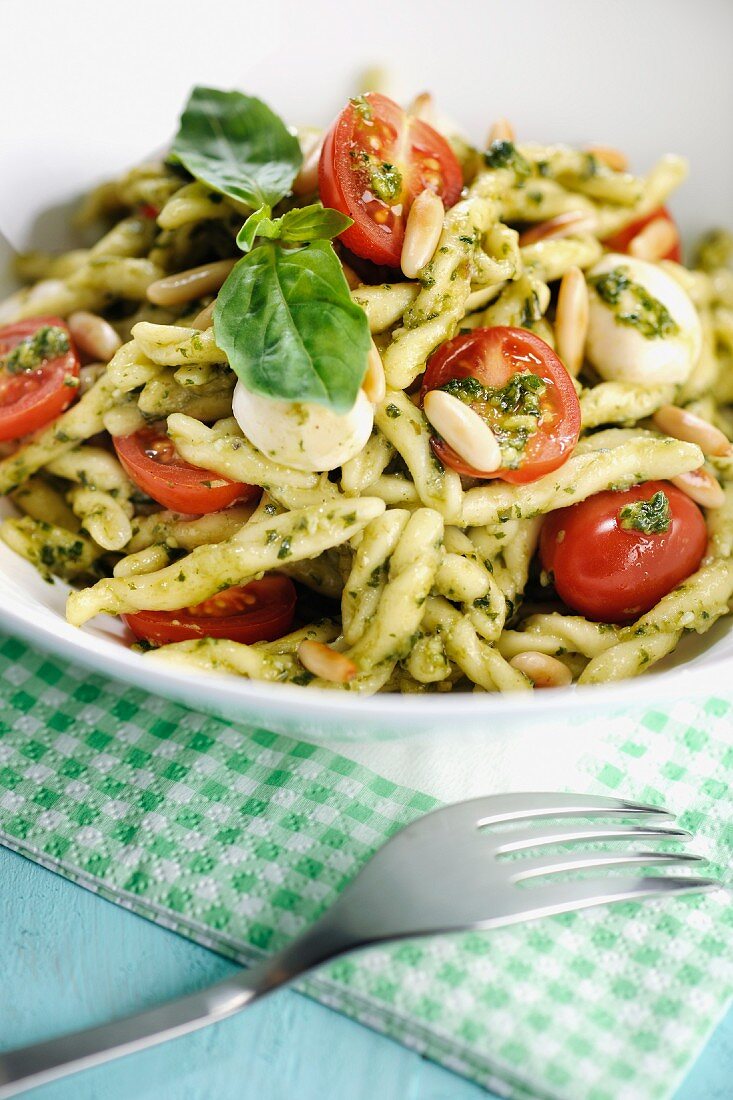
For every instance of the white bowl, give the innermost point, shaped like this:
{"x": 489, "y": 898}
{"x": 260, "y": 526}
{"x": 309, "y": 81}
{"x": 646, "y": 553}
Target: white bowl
{"x": 646, "y": 78}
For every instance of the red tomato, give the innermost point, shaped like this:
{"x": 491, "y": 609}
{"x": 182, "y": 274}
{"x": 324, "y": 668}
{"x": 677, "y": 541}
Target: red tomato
{"x": 493, "y": 356}
{"x": 612, "y": 574}
{"x": 620, "y": 241}
{"x": 31, "y": 399}
{"x": 152, "y": 462}
{"x": 256, "y": 612}
{"x": 375, "y": 160}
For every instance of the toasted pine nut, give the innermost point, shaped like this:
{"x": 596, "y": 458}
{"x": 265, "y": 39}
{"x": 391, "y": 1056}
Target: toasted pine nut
{"x": 423, "y": 107}
{"x": 306, "y": 181}
{"x": 701, "y": 487}
{"x": 325, "y": 662}
{"x": 654, "y": 241}
{"x": 612, "y": 158}
{"x": 374, "y": 384}
{"x": 351, "y": 277}
{"x": 463, "y": 429}
{"x": 564, "y": 225}
{"x": 685, "y": 425}
{"x": 205, "y": 318}
{"x": 571, "y": 319}
{"x": 185, "y": 286}
{"x": 93, "y": 335}
{"x": 422, "y": 232}
{"x": 543, "y": 670}
{"x": 502, "y": 130}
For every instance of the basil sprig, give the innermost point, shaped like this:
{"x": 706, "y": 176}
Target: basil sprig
{"x": 236, "y": 145}
{"x": 290, "y": 330}
{"x": 304, "y": 223}
{"x": 284, "y": 317}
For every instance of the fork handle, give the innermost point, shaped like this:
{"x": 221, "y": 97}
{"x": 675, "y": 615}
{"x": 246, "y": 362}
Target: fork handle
{"x": 40, "y": 1063}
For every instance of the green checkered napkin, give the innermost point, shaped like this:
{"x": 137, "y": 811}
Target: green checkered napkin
{"x": 238, "y": 838}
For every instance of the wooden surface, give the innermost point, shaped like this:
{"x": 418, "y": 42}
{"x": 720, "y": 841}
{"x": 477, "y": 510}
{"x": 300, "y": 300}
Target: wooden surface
{"x": 69, "y": 959}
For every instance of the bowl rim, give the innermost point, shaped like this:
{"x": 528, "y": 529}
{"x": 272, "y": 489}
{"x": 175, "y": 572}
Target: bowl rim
{"x": 304, "y": 704}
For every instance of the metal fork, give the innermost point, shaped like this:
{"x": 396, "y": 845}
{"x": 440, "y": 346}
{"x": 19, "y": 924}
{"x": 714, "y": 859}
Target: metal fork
{"x": 446, "y": 872}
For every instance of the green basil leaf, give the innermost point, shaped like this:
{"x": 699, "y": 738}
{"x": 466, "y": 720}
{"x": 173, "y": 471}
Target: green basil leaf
{"x": 305, "y": 223}
{"x": 289, "y": 327}
{"x": 236, "y": 145}
{"x": 252, "y": 228}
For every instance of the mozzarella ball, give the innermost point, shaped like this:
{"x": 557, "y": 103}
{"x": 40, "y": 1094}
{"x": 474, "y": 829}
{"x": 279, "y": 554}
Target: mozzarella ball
{"x": 629, "y": 351}
{"x": 302, "y": 435}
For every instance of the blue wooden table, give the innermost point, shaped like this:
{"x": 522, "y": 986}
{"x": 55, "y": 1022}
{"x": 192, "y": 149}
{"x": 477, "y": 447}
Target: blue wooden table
{"x": 69, "y": 959}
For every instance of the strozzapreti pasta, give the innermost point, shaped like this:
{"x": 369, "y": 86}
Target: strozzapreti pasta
{"x": 213, "y": 398}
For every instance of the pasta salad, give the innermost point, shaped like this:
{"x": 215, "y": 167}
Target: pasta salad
{"x": 373, "y": 409}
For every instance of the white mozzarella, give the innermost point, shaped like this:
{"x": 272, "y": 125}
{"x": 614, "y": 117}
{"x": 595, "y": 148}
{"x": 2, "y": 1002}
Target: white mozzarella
{"x": 304, "y": 436}
{"x": 620, "y": 352}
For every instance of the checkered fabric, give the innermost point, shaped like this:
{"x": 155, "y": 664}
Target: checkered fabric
{"x": 238, "y": 838}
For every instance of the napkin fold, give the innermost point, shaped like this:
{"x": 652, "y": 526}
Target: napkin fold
{"x": 238, "y": 838}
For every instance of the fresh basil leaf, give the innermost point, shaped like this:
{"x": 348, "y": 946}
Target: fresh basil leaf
{"x": 290, "y": 330}
{"x": 305, "y": 223}
{"x": 251, "y": 228}
{"x": 236, "y": 145}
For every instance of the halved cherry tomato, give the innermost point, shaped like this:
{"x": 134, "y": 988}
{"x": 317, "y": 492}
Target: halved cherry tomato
{"x": 493, "y": 356}
{"x": 620, "y": 241}
{"x": 256, "y": 612}
{"x": 613, "y": 574}
{"x": 375, "y": 160}
{"x": 153, "y": 463}
{"x": 31, "y": 399}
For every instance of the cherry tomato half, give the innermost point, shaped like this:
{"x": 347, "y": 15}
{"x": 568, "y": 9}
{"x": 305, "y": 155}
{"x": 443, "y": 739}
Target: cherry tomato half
{"x": 31, "y": 399}
{"x": 620, "y": 241}
{"x": 152, "y": 462}
{"x": 375, "y": 160}
{"x": 256, "y": 612}
{"x": 613, "y": 574}
{"x": 493, "y": 356}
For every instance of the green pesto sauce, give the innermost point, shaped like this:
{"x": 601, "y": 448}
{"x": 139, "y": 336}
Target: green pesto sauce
{"x": 715, "y": 250}
{"x": 651, "y": 517}
{"x": 385, "y": 180}
{"x": 47, "y": 342}
{"x": 513, "y": 412}
{"x": 633, "y": 305}
{"x": 504, "y": 154}
{"x": 363, "y": 107}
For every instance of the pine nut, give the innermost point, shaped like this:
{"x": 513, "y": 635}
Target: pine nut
{"x": 701, "y": 487}
{"x": 564, "y": 225}
{"x": 654, "y": 241}
{"x": 502, "y": 130}
{"x": 322, "y": 661}
{"x": 306, "y": 181}
{"x": 185, "y": 286}
{"x": 93, "y": 335}
{"x": 610, "y": 157}
{"x": 374, "y": 384}
{"x": 682, "y": 424}
{"x": 205, "y": 318}
{"x": 422, "y": 232}
{"x": 350, "y": 275}
{"x": 543, "y": 670}
{"x": 571, "y": 319}
{"x": 423, "y": 107}
{"x": 463, "y": 430}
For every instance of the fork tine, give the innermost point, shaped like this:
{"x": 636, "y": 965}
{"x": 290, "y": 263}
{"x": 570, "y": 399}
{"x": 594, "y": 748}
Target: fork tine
{"x": 579, "y": 861}
{"x": 492, "y": 809}
{"x": 566, "y": 897}
{"x": 539, "y": 838}
{"x": 549, "y": 804}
